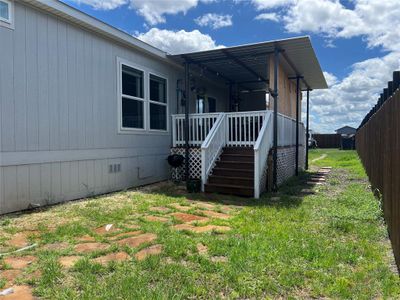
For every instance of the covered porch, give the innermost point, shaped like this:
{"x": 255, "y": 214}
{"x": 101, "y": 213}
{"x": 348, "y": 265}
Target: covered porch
{"x": 261, "y": 112}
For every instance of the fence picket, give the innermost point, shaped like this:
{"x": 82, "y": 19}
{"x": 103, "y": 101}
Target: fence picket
{"x": 378, "y": 145}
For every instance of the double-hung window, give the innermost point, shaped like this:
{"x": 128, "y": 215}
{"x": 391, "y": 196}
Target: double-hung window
{"x": 158, "y": 102}
{"x": 133, "y": 100}
{"x": 143, "y": 99}
{"x": 6, "y": 13}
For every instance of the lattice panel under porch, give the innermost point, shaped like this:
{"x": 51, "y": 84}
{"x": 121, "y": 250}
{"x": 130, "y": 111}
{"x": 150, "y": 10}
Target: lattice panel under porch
{"x": 194, "y": 163}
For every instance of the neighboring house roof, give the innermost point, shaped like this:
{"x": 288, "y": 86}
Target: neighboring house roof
{"x": 346, "y": 130}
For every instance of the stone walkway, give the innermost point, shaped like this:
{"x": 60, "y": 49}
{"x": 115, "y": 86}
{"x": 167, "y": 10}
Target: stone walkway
{"x": 192, "y": 216}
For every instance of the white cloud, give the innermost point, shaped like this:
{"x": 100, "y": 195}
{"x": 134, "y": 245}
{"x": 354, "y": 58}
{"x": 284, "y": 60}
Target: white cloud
{"x": 375, "y": 20}
{"x": 268, "y": 17}
{"x": 268, "y": 4}
{"x": 103, "y": 4}
{"x": 347, "y": 101}
{"x": 180, "y": 41}
{"x": 154, "y": 10}
{"x": 214, "y": 21}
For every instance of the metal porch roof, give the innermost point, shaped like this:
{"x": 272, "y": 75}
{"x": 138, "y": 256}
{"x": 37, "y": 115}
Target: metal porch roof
{"x": 248, "y": 64}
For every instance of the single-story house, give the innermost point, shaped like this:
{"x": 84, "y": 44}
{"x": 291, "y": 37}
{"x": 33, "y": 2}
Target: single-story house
{"x": 346, "y": 130}
{"x": 87, "y": 109}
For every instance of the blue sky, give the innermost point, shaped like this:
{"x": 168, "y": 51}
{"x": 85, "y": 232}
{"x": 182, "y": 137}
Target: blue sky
{"x": 351, "y": 39}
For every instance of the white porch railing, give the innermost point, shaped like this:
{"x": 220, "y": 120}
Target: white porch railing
{"x": 243, "y": 127}
{"x": 261, "y": 149}
{"x": 213, "y": 131}
{"x": 212, "y": 148}
{"x": 199, "y": 127}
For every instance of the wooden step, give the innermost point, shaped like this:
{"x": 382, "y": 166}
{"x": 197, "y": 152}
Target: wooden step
{"x": 237, "y": 190}
{"x": 237, "y": 157}
{"x": 238, "y": 150}
{"x": 235, "y": 165}
{"x": 228, "y": 172}
{"x": 238, "y": 181}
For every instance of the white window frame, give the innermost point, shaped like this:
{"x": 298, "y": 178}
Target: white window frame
{"x": 146, "y": 99}
{"x": 9, "y": 23}
{"x": 159, "y": 103}
{"x": 122, "y": 62}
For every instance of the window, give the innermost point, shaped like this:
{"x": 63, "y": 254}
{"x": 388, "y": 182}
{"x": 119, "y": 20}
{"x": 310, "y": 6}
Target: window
{"x": 158, "y": 103}
{"x": 132, "y": 98}
{"x": 142, "y": 99}
{"x": 5, "y": 12}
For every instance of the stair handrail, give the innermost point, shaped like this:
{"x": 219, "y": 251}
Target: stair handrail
{"x": 261, "y": 149}
{"x": 211, "y": 148}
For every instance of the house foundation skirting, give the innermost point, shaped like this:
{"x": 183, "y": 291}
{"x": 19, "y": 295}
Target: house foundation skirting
{"x": 178, "y": 174}
{"x": 286, "y": 158}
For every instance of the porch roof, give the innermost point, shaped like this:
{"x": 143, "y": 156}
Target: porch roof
{"x": 248, "y": 64}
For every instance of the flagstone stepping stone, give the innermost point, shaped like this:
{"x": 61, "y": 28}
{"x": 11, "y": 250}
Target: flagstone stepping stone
{"x": 118, "y": 256}
{"x": 180, "y": 207}
{"x": 20, "y": 262}
{"x": 91, "y": 247}
{"x": 188, "y": 218}
{"x": 318, "y": 179}
{"x": 207, "y": 228}
{"x": 86, "y": 238}
{"x": 314, "y": 183}
{"x": 136, "y": 241}
{"x": 125, "y": 234}
{"x": 19, "y": 292}
{"x": 202, "y": 249}
{"x": 213, "y": 214}
{"x": 106, "y": 229}
{"x": 10, "y": 276}
{"x": 19, "y": 240}
{"x": 156, "y": 219}
{"x": 34, "y": 275}
{"x": 226, "y": 209}
{"x": 68, "y": 261}
{"x": 219, "y": 259}
{"x": 183, "y": 227}
{"x": 152, "y": 250}
{"x": 159, "y": 209}
{"x": 56, "y": 246}
{"x": 205, "y": 205}
{"x": 201, "y": 229}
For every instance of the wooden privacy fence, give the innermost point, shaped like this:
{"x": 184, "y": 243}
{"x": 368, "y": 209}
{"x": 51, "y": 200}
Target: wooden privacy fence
{"x": 378, "y": 145}
{"x": 327, "y": 140}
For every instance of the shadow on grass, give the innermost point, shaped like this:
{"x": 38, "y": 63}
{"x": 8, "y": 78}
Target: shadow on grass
{"x": 290, "y": 193}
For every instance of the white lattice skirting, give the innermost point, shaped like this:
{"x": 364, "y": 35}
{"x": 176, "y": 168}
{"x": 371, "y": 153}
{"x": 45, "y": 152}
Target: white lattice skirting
{"x": 287, "y": 162}
{"x": 194, "y": 162}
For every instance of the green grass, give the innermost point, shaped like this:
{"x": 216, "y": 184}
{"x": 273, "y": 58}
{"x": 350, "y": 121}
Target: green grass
{"x": 329, "y": 244}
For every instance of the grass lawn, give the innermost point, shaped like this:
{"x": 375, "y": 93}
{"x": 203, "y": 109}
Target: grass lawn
{"x": 328, "y": 243}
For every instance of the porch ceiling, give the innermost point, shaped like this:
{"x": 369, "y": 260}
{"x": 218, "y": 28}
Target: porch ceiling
{"x": 248, "y": 64}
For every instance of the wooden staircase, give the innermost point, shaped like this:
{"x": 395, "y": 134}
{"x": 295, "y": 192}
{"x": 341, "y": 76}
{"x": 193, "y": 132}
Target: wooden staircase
{"x": 234, "y": 173}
